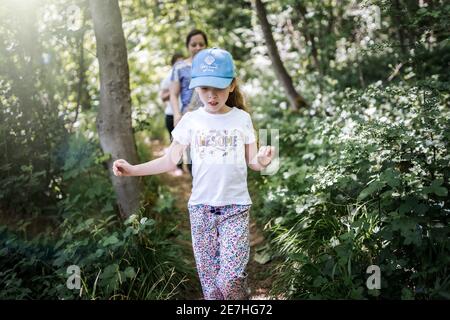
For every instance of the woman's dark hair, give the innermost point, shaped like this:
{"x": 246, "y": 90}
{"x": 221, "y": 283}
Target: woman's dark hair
{"x": 195, "y": 32}
{"x": 175, "y": 57}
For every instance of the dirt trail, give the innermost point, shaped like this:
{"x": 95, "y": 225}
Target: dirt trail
{"x": 259, "y": 279}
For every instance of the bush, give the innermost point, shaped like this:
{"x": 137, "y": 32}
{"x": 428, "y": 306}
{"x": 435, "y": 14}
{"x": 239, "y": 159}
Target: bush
{"x": 132, "y": 259}
{"x": 367, "y": 185}
{"x": 32, "y": 138}
{"x": 135, "y": 261}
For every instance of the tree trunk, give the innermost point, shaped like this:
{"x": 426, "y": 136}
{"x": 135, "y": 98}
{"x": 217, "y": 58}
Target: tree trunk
{"x": 81, "y": 73}
{"x": 114, "y": 115}
{"x": 400, "y": 28}
{"x": 295, "y": 99}
{"x": 309, "y": 35}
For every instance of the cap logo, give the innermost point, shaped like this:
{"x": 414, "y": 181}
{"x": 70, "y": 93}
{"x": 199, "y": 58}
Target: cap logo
{"x": 209, "y": 60}
{"x": 209, "y": 65}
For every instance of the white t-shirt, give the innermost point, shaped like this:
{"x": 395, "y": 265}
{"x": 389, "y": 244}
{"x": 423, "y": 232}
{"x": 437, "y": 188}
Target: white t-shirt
{"x": 217, "y": 144}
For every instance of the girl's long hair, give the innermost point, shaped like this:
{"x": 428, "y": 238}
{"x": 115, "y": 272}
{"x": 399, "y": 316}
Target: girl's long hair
{"x": 236, "y": 98}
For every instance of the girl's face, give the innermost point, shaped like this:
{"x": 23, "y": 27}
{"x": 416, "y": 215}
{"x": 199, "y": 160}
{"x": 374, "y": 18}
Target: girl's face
{"x": 196, "y": 43}
{"x": 214, "y": 99}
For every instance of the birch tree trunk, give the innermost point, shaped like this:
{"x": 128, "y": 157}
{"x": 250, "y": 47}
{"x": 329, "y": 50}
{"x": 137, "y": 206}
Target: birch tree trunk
{"x": 295, "y": 99}
{"x": 114, "y": 115}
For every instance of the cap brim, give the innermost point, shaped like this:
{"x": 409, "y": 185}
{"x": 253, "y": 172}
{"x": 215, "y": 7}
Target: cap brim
{"x": 214, "y": 82}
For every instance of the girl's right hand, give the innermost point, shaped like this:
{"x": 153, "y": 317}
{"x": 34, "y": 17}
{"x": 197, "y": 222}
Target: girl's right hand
{"x": 122, "y": 168}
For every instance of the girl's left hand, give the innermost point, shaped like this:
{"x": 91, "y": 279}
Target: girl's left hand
{"x": 265, "y": 155}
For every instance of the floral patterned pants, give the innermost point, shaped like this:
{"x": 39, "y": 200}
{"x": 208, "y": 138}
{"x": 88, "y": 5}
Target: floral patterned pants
{"x": 220, "y": 239}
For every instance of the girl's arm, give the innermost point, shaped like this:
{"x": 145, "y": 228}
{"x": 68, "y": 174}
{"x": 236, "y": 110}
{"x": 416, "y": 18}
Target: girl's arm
{"x": 258, "y": 160}
{"x": 163, "y": 164}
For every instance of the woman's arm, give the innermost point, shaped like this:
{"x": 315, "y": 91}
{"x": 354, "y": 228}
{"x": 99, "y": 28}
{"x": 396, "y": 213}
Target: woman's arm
{"x": 164, "y": 95}
{"x": 174, "y": 94}
{"x": 258, "y": 160}
{"x": 163, "y": 164}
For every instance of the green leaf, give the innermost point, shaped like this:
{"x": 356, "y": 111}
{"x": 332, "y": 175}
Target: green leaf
{"x": 129, "y": 272}
{"x": 407, "y": 294}
{"x": 262, "y": 258}
{"x": 319, "y": 282}
{"x": 436, "y": 188}
{"x": 99, "y": 253}
{"x": 407, "y": 206}
{"x": 110, "y": 271}
{"x": 373, "y": 187}
{"x": 440, "y": 191}
{"x": 107, "y": 208}
{"x": 110, "y": 240}
{"x": 391, "y": 177}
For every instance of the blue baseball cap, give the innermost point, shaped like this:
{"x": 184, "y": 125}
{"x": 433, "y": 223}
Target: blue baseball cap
{"x": 212, "y": 67}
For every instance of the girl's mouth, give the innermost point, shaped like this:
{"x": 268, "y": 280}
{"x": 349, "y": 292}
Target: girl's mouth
{"x": 213, "y": 103}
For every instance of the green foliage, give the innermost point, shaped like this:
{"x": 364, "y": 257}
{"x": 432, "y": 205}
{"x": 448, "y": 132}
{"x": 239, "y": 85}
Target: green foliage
{"x": 133, "y": 261}
{"x": 32, "y": 132}
{"x": 365, "y": 185}
{"x": 31, "y": 140}
{"x": 85, "y": 182}
{"x": 364, "y": 173}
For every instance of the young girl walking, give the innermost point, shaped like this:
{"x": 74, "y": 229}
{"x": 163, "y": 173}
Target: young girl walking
{"x": 223, "y": 144}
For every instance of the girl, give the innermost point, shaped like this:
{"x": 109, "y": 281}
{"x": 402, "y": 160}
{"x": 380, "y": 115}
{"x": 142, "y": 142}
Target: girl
{"x": 223, "y": 143}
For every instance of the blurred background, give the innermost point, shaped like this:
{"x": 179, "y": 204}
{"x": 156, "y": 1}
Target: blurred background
{"x": 359, "y": 91}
